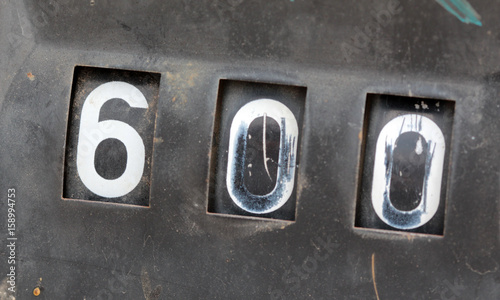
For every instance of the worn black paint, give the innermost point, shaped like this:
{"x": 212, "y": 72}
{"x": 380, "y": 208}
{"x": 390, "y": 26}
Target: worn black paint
{"x": 255, "y": 172}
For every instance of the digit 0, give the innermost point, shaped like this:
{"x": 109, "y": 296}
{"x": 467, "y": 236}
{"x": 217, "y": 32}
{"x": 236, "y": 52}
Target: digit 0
{"x": 261, "y": 204}
{"x": 382, "y": 171}
{"x": 92, "y": 133}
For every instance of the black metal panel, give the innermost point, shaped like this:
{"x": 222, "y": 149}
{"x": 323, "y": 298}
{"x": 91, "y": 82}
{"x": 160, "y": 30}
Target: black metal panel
{"x": 174, "y": 248}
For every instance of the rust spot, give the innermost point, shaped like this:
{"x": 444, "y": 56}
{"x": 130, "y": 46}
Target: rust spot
{"x": 30, "y": 76}
{"x": 179, "y": 83}
{"x": 360, "y": 135}
{"x": 410, "y": 237}
{"x": 36, "y": 291}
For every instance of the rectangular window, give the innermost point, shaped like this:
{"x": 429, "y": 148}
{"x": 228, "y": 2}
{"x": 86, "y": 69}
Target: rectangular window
{"x": 256, "y": 150}
{"x": 405, "y": 164}
{"x": 110, "y": 135}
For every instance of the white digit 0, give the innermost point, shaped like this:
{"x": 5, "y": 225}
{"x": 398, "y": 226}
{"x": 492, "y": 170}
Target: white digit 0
{"x": 261, "y": 204}
{"x": 382, "y": 171}
{"x": 92, "y": 133}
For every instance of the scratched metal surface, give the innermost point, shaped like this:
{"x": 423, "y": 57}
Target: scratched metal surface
{"x": 174, "y": 249}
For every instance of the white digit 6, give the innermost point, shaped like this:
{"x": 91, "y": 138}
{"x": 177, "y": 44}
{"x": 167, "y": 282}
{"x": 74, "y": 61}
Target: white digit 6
{"x": 92, "y": 133}
{"x": 289, "y": 133}
{"x": 382, "y": 171}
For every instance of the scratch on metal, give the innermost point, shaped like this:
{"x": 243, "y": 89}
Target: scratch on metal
{"x": 373, "y": 276}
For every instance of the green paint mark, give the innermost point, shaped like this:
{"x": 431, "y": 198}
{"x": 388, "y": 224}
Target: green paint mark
{"x": 462, "y": 10}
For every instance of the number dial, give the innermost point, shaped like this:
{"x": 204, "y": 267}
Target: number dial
{"x": 256, "y": 150}
{"x": 93, "y": 132}
{"x": 289, "y": 131}
{"x": 384, "y": 164}
{"x": 110, "y": 136}
{"x": 406, "y": 154}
